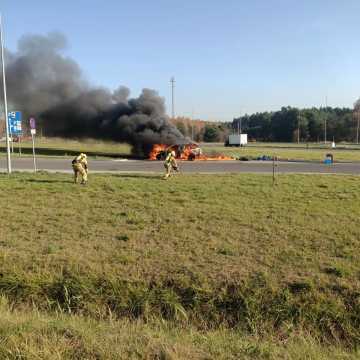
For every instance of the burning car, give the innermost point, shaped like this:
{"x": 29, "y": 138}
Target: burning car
{"x": 184, "y": 151}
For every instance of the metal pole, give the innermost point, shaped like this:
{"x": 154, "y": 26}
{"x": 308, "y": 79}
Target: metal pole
{"x": 357, "y": 114}
{"x": 172, "y": 80}
{"x": 273, "y": 172}
{"x": 325, "y": 119}
{"x": 8, "y": 158}
{"x": 192, "y": 125}
{"x": 33, "y": 145}
{"x": 325, "y": 131}
{"x": 239, "y": 123}
{"x": 298, "y": 131}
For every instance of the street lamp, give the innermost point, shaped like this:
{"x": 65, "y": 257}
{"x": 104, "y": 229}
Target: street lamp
{"x": 5, "y": 98}
{"x": 172, "y": 81}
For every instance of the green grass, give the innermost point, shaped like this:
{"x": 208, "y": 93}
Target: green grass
{"x": 34, "y": 335}
{"x": 64, "y": 147}
{"x": 318, "y": 153}
{"x": 209, "y": 266}
{"x": 101, "y": 149}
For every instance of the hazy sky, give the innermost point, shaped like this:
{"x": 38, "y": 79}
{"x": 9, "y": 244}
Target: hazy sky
{"x": 227, "y": 56}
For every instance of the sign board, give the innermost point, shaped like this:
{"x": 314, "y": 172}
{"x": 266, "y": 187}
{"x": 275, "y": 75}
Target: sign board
{"x": 33, "y": 131}
{"x": 14, "y": 118}
{"x": 32, "y": 123}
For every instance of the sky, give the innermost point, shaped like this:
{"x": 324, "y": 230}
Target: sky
{"x": 228, "y": 57}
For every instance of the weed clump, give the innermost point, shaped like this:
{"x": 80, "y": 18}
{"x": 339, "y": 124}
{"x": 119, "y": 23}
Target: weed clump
{"x": 333, "y": 271}
{"x": 123, "y": 238}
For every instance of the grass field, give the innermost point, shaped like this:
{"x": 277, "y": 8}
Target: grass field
{"x": 201, "y": 266}
{"x": 100, "y": 149}
{"x": 287, "y": 151}
{"x": 34, "y": 335}
{"x": 64, "y": 147}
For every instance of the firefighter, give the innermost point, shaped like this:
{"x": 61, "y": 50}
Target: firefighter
{"x": 80, "y": 167}
{"x": 170, "y": 164}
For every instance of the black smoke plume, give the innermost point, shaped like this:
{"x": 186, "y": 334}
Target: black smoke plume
{"x": 42, "y": 82}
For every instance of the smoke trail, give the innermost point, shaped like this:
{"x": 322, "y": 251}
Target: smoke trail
{"x": 44, "y": 83}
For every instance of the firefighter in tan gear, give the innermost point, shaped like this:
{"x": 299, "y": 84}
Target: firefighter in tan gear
{"x": 170, "y": 164}
{"x": 80, "y": 167}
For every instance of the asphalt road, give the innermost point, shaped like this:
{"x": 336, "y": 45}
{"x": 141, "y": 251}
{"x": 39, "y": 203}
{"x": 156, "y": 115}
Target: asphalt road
{"x": 233, "y": 166}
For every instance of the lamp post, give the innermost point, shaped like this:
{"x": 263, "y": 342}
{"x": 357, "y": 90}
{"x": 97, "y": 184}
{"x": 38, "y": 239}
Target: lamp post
{"x": 5, "y": 99}
{"x": 172, "y": 81}
{"x": 325, "y": 121}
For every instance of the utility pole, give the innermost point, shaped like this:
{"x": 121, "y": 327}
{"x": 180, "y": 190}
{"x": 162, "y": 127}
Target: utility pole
{"x": 172, "y": 81}
{"x": 8, "y": 157}
{"x": 357, "y": 128}
{"x": 357, "y": 117}
{"x": 240, "y": 123}
{"x": 192, "y": 125}
{"x": 298, "y": 130}
{"x": 325, "y": 120}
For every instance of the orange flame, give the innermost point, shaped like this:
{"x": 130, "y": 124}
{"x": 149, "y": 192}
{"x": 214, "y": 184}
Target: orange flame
{"x": 156, "y": 150}
{"x": 184, "y": 152}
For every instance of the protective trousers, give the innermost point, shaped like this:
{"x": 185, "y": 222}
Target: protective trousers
{"x": 168, "y": 168}
{"x": 79, "y": 170}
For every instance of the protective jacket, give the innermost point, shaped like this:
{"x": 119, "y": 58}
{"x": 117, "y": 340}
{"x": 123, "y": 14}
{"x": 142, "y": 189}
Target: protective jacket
{"x": 81, "y": 160}
{"x": 80, "y": 167}
{"x": 169, "y": 158}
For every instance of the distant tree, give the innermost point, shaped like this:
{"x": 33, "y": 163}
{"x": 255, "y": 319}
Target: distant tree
{"x": 344, "y": 128}
{"x": 223, "y": 132}
{"x": 191, "y": 130}
{"x": 199, "y": 134}
{"x": 211, "y": 133}
{"x": 302, "y": 128}
{"x": 284, "y": 123}
{"x": 182, "y": 128}
{"x": 314, "y": 126}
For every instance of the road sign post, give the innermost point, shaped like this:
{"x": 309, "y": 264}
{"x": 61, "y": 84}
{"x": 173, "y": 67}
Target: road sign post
{"x": 15, "y": 126}
{"x": 33, "y": 133}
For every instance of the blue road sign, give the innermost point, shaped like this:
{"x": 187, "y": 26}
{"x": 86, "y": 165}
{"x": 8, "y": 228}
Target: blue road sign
{"x": 14, "y": 118}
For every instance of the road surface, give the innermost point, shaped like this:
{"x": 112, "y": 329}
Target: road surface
{"x": 233, "y": 166}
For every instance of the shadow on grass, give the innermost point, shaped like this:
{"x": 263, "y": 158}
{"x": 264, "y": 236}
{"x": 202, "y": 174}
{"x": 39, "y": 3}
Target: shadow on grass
{"x": 139, "y": 176}
{"x": 45, "y": 181}
{"x": 67, "y": 152}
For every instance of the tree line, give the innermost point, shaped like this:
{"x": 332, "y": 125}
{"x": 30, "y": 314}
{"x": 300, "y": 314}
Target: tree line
{"x": 202, "y": 131}
{"x": 286, "y": 125}
{"x": 292, "y": 124}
